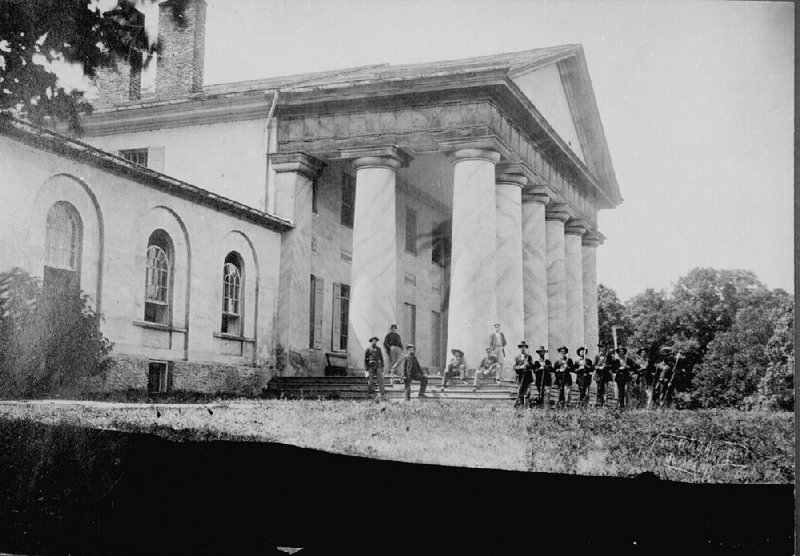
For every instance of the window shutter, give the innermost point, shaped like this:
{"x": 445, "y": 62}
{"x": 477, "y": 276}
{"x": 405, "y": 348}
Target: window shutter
{"x": 336, "y": 317}
{"x": 318, "y": 298}
{"x": 155, "y": 158}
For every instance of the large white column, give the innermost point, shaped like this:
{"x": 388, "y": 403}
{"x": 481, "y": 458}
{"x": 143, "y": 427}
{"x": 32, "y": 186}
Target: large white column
{"x": 534, "y": 261}
{"x": 373, "y": 282}
{"x": 473, "y": 303}
{"x": 294, "y": 175}
{"x": 573, "y": 265}
{"x": 591, "y": 327}
{"x": 510, "y": 298}
{"x": 556, "y": 215}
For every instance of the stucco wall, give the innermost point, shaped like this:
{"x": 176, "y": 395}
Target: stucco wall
{"x": 118, "y": 215}
{"x": 225, "y": 158}
{"x": 544, "y": 88}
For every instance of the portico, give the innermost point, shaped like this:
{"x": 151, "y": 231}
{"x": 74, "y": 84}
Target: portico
{"x": 520, "y": 205}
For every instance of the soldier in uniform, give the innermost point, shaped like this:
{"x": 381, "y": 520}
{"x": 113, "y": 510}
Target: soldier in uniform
{"x": 645, "y": 379}
{"x": 373, "y": 363}
{"x": 497, "y": 342}
{"x": 411, "y": 370}
{"x": 541, "y": 370}
{"x": 665, "y": 378}
{"x": 625, "y": 368}
{"x": 456, "y": 367}
{"x": 523, "y": 366}
{"x": 563, "y": 368}
{"x": 489, "y": 365}
{"x": 393, "y": 346}
{"x": 602, "y": 367}
{"x": 583, "y": 370}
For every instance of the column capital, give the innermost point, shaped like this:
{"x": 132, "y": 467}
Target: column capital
{"x": 558, "y": 211}
{"x": 536, "y": 194}
{"x": 509, "y": 178}
{"x": 593, "y": 238}
{"x": 489, "y": 149}
{"x": 302, "y": 163}
{"x": 388, "y": 156}
{"x": 576, "y": 227}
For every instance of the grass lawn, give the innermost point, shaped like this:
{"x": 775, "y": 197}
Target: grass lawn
{"x": 693, "y": 446}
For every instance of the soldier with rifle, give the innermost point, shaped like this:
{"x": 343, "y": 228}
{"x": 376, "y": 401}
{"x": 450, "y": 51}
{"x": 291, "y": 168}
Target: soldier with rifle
{"x": 666, "y": 381}
{"x": 602, "y": 366}
{"x": 523, "y": 365}
{"x": 563, "y": 368}
{"x": 541, "y": 370}
{"x": 626, "y": 367}
{"x": 583, "y": 370}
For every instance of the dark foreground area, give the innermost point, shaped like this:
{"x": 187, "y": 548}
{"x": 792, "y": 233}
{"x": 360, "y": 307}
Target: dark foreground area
{"x": 65, "y": 489}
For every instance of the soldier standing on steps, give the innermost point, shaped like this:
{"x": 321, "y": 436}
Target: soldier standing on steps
{"x": 602, "y": 367}
{"x": 373, "y": 362}
{"x": 523, "y": 365}
{"x": 410, "y": 370}
{"x": 541, "y": 370}
{"x": 394, "y": 347}
{"x": 583, "y": 370}
{"x": 563, "y": 368}
{"x": 497, "y": 343}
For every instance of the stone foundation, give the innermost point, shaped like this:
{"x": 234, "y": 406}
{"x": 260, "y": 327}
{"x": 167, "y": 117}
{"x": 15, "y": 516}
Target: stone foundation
{"x": 127, "y": 372}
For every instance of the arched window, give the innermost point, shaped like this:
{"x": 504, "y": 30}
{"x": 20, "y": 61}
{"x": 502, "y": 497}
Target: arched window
{"x": 62, "y": 249}
{"x": 158, "y": 278}
{"x": 232, "y": 283}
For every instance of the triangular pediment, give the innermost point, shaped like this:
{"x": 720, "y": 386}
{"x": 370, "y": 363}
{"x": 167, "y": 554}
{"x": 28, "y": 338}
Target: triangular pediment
{"x": 560, "y": 88}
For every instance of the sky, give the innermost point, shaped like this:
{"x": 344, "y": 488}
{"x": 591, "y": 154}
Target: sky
{"x": 696, "y": 98}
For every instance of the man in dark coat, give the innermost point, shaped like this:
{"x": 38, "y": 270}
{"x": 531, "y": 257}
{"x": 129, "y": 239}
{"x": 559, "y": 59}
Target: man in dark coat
{"x": 523, "y": 366}
{"x": 645, "y": 379}
{"x": 410, "y": 369}
{"x": 602, "y": 366}
{"x": 583, "y": 370}
{"x": 373, "y": 363}
{"x": 393, "y": 346}
{"x": 563, "y": 368}
{"x": 626, "y": 367}
{"x": 456, "y": 367}
{"x": 542, "y": 370}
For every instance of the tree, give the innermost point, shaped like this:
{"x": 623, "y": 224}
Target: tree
{"x": 35, "y": 34}
{"x": 652, "y": 321}
{"x": 611, "y": 312}
{"x": 48, "y": 344}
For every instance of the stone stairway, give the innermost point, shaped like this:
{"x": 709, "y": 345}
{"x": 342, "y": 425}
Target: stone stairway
{"x": 355, "y": 388}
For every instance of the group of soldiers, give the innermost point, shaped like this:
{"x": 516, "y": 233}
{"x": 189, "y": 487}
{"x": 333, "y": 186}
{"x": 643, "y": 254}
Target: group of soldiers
{"x": 645, "y": 382}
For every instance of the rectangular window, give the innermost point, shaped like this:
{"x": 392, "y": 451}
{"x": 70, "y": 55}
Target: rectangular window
{"x": 314, "y": 196}
{"x": 158, "y": 377}
{"x": 410, "y": 322}
{"x": 341, "y": 315}
{"x": 438, "y": 244}
{"x": 137, "y": 156}
{"x": 436, "y": 339}
{"x": 348, "y": 200}
{"x": 315, "y": 314}
{"x": 411, "y": 231}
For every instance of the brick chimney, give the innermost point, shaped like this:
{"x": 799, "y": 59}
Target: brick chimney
{"x": 180, "y": 65}
{"x": 123, "y": 83}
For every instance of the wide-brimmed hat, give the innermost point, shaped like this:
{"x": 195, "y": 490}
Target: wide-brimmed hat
{"x": 489, "y": 349}
{"x": 374, "y": 339}
{"x": 522, "y": 344}
{"x": 393, "y": 326}
{"x": 580, "y": 349}
{"x": 622, "y": 349}
{"x": 640, "y": 351}
{"x": 410, "y": 346}
{"x": 541, "y": 350}
{"x": 456, "y": 350}
{"x": 562, "y": 349}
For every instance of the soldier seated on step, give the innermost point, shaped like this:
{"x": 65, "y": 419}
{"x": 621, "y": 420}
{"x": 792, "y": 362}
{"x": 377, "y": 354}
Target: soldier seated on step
{"x": 489, "y": 367}
{"x": 457, "y": 367}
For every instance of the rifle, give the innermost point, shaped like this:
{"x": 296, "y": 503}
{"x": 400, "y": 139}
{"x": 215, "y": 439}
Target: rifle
{"x": 671, "y": 378}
